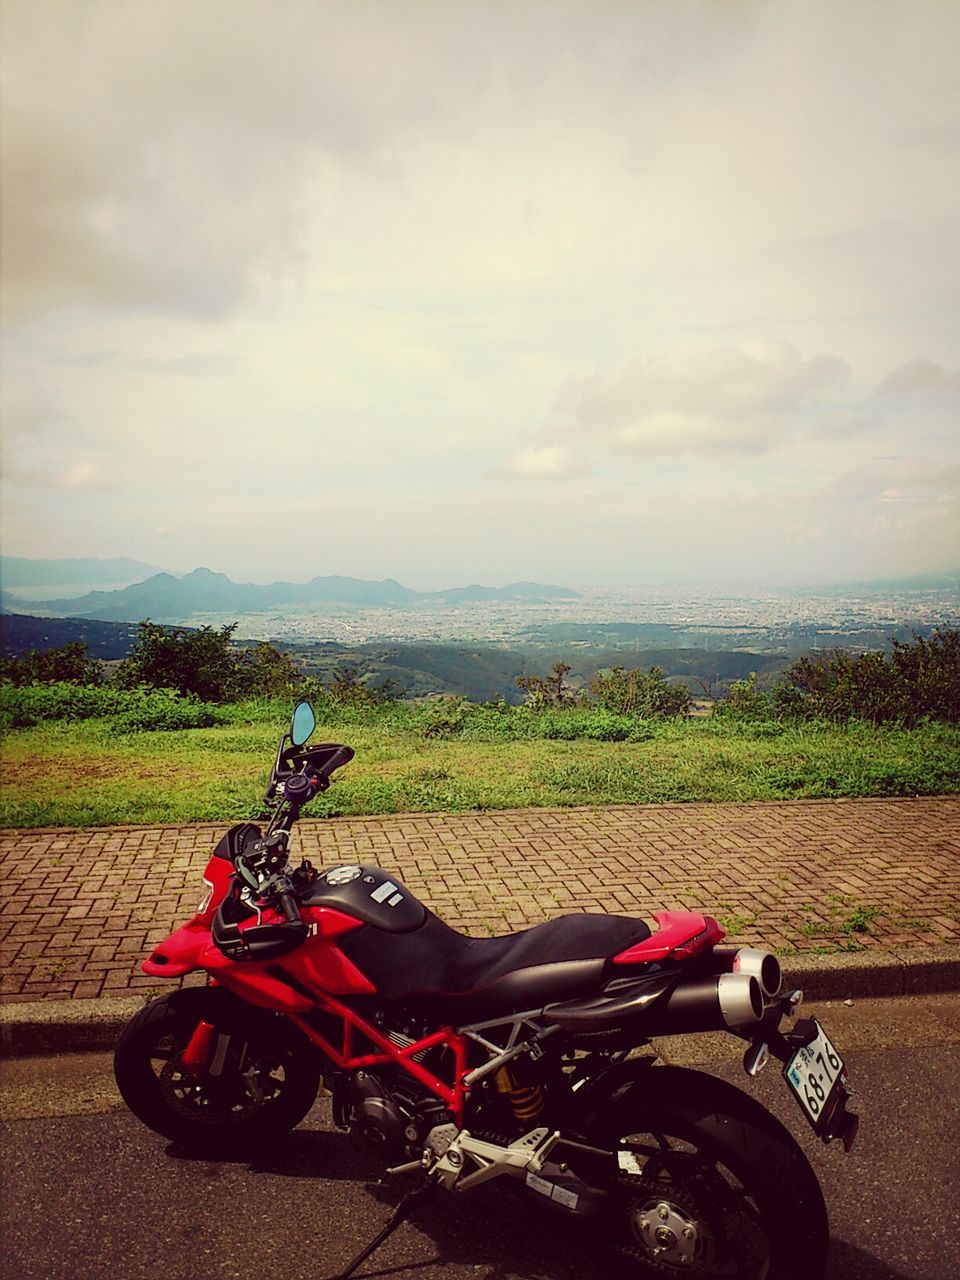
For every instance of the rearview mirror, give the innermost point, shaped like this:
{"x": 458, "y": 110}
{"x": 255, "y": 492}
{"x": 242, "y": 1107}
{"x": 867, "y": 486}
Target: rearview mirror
{"x": 303, "y": 723}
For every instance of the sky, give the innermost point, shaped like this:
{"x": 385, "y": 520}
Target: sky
{"x": 594, "y": 293}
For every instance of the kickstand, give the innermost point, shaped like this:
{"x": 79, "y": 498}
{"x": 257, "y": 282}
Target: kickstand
{"x": 402, "y": 1212}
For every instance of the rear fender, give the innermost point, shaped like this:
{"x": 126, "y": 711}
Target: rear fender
{"x": 642, "y": 1085}
{"x": 611, "y": 1085}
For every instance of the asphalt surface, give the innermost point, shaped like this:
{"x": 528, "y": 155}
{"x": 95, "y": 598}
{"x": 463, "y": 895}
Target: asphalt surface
{"x": 90, "y": 1194}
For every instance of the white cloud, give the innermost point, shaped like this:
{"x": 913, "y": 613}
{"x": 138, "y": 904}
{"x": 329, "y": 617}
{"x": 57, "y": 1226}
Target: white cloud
{"x": 85, "y": 475}
{"x": 552, "y": 462}
{"x": 161, "y": 157}
{"x": 730, "y": 400}
{"x": 915, "y": 479}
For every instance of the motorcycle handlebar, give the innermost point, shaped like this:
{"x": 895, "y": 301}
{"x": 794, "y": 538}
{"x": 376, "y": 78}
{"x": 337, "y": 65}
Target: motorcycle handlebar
{"x": 287, "y": 903}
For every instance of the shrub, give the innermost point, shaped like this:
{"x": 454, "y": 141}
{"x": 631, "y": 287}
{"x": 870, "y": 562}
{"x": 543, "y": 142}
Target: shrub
{"x": 69, "y": 662}
{"x": 22, "y": 706}
{"x": 130, "y": 710}
{"x": 163, "y": 709}
{"x": 199, "y": 663}
{"x": 444, "y": 718}
{"x": 265, "y": 672}
{"x": 930, "y": 668}
{"x": 549, "y": 691}
{"x": 349, "y": 688}
{"x": 639, "y": 692}
{"x": 745, "y": 702}
{"x": 841, "y": 686}
{"x": 597, "y": 725}
{"x": 917, "y": 681}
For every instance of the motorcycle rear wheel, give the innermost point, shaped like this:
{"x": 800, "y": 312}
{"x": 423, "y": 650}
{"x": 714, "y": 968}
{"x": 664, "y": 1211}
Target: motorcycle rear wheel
{"x": 263, "y": 1079}
{"x": 710, "y": 1184}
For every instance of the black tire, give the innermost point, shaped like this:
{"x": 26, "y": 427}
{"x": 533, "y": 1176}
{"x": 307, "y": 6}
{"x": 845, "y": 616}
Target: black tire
{"x": 268, "y": 1079}
{"x": 712, "y": 1180}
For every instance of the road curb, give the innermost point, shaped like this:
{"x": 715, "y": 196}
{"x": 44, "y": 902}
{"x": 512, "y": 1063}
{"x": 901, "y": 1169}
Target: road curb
{"x": 70, "y": 1026}
{"x": 64, "y": 1026}
{"x": 917, "y": 970}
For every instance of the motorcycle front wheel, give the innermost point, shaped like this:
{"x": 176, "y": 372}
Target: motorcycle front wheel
{"x": 260, "y": 1081}
{"x": 709, "y": 1184}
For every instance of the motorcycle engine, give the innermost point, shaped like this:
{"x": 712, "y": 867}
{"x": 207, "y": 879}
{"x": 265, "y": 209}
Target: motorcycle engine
{"x": 389, "y": 1114}
{"x": 377, "y": 1124}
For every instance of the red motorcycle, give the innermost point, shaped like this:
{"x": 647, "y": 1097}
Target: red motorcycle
{"x": 466, "y": 1059}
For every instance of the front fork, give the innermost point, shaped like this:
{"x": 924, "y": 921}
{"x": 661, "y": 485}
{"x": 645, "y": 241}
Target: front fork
{"x": 206, "y": 1054}
{"x": 199, "y": 1050}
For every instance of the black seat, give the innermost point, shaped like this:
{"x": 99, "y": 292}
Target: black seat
{"x": 463, "y": 976}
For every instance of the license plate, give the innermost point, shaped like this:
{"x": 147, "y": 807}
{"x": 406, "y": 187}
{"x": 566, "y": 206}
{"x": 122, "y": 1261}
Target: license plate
{"x": 814, "y": 1073}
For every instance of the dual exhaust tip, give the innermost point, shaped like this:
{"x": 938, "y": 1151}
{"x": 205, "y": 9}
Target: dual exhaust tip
{"x": 753, "y": 979}
{"x": 755, "y": 962}
{"x": 736, "y": 996}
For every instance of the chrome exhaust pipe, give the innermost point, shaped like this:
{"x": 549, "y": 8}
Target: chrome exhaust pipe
{"x": 741, "y": 999}
{"x": 755, "y": 962}
{"x": 723, "y": 1002}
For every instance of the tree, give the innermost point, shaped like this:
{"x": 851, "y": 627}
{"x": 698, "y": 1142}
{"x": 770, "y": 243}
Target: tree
{"x": 551, "y": 690}
{"x": 199, "y": 662}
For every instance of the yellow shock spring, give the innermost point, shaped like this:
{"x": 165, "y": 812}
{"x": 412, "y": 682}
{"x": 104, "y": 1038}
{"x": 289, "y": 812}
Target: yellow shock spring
{"x": 526, "y": 1101}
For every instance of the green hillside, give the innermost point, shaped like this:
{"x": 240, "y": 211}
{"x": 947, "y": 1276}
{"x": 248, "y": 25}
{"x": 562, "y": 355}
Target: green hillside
{"x": 480, "y": 673}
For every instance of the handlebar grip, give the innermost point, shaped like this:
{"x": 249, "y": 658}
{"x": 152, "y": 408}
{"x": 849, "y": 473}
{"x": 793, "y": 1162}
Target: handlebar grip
{"x": 340, "y": 757}
{"x": 288, "y": 905}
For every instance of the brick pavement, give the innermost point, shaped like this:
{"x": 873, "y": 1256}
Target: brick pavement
{"x": 81, "y": 908}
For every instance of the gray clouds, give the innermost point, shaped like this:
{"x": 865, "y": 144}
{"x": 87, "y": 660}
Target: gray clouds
{"x": 600, "y": 248}
{"x": 727, "y": 400}
{"x": 160, "y": 155}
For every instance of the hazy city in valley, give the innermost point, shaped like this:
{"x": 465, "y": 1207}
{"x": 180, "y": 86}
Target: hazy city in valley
{"x": 351, "y": 611}
{"x": 630, "y": 617}
{"x": 476, "y": 641}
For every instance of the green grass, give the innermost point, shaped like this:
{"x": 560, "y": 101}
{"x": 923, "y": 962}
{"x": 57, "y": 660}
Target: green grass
{"x": 845, "y": 918}
{"x": 88, "y": 773}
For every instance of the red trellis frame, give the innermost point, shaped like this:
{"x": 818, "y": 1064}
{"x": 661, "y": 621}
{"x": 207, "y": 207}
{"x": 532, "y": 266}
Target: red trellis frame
{"x": 454, "y": 1096}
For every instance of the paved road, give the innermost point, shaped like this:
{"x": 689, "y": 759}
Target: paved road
{"x": 82, "y": 908}
{"x": 90, "y": 1194}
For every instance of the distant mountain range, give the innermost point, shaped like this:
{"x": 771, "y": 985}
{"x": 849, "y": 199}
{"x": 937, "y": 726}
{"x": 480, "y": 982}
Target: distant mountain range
{"x": 18, "y": 572}
{"x": 164, "y": 597}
